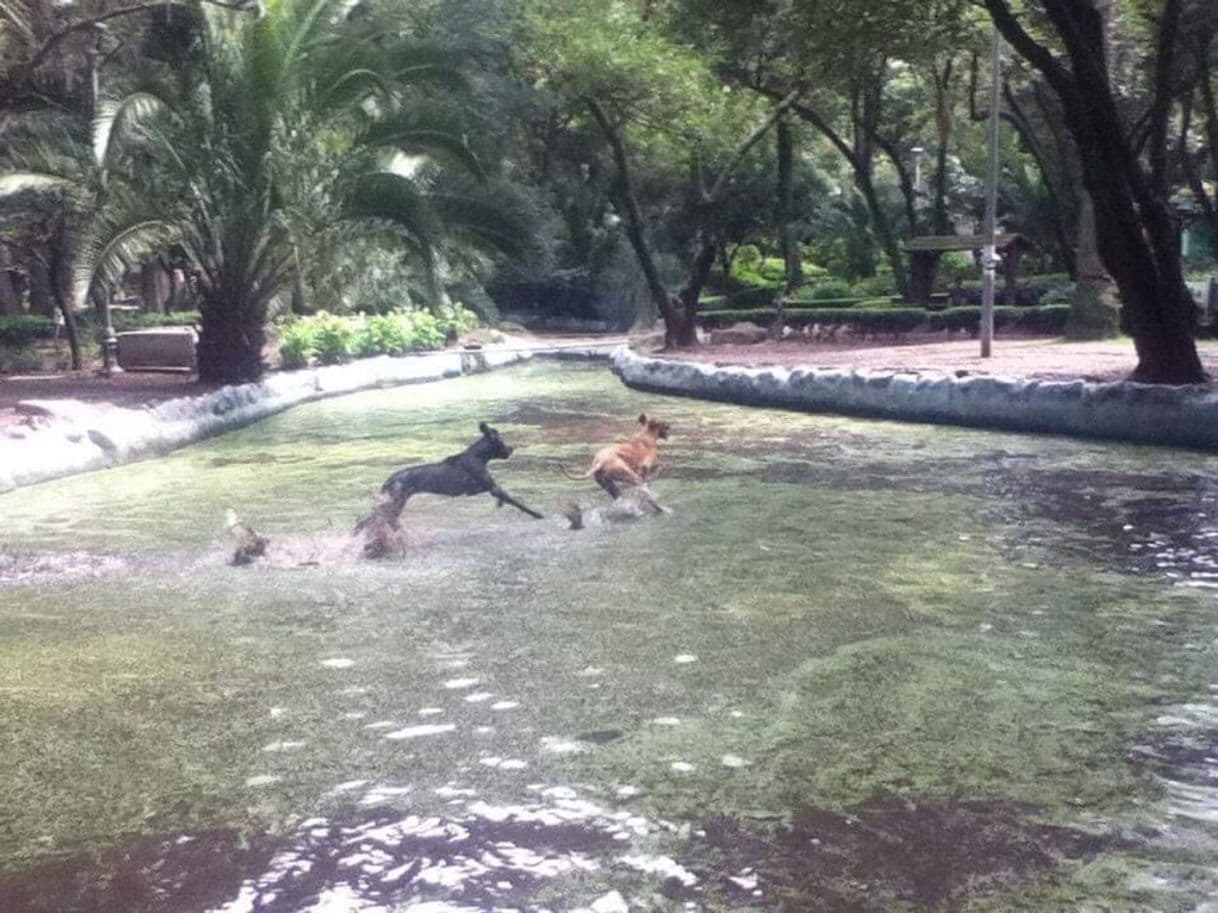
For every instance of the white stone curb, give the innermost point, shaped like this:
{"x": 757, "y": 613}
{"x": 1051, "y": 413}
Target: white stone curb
{"x": 88, "y": 438}
{"x": 1123, "y": 411}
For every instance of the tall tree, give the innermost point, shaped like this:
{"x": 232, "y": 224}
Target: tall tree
{"x": 1137, "y": 237}
{"x": 651, "y": 98}
{"x": 293, "y": 121}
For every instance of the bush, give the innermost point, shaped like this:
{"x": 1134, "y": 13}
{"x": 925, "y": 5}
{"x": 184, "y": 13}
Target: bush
{"x": 24, "y": 330}
{"x": 297, "y": 343}
{"x": 19, "y": 359}
{"x": 830, "y": 289}
{"x": 748, "y": 257}
{"x": 335, "y": 338}
{"x": 455, "y": 318}
{"x": 1050, "y": 320}
{"x": 380, "y": 334}
{"x": 820, "y": 304}
{"x": 329, "y": 339}
{"x": 752, "y": 298}
{"x": 875, "y": 286}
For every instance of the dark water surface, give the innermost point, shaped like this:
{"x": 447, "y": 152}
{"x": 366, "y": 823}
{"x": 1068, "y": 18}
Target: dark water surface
{"x": 861, "y": 666}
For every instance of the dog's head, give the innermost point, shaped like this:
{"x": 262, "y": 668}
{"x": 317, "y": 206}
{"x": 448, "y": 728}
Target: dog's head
{"x": 657, "y": 429}
{"x": 495, "y": 448}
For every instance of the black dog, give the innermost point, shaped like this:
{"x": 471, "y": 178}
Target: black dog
{"x": 463, "y": 473}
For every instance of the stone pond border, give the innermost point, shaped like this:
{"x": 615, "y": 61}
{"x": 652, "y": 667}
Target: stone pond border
{"x": 80, "y": 437}
{"x": 84, "y": 437}
{"x": 1120, "y": 411}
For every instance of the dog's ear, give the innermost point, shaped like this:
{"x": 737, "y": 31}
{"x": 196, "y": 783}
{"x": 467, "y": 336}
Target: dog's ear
{"x": 484, "y": 427}
{"x": 642, "y": 418}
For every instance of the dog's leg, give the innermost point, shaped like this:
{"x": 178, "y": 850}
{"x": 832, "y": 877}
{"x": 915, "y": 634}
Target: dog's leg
{"x": 605, "y": 481}
{"x": 649, "y": 500}
{"x": 503, "y": 497}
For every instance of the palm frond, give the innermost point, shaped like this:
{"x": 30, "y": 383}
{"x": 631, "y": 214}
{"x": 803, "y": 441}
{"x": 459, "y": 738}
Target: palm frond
{"x": 426, "y": 65}
{"x": 428, "y": 129}
{"x": 110, "y": 247}
{"x": 395, "y": 200}
{"x": 18, "y": 21}
{"x": 490, "y": 216}
{"x": 116, "y": 118}
{"x": 13, "y": 183}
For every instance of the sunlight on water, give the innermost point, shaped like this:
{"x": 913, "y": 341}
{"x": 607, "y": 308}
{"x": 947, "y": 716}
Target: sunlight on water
{"x": 859, "y": 666}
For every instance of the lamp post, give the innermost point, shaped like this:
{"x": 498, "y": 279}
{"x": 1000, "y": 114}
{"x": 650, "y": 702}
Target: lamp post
{"x": 101, "y": 300}
{"x": 989, "y": 253}
{"x": 917, "y": 154}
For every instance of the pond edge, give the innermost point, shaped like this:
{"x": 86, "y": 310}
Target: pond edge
{"x": 80, "y": 437}
{"x": 1185, "y": 416}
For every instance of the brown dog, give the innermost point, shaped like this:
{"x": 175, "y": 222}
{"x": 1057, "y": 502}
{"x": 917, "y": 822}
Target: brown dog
{"x": 631, "y": 462}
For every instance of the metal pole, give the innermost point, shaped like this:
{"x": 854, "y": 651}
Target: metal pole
{"x": 989, "y": 253}
{"x": 108, "y": 338}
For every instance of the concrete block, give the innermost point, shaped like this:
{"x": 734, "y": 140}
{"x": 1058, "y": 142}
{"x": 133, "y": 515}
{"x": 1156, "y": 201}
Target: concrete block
{"x": 164, "y": 347}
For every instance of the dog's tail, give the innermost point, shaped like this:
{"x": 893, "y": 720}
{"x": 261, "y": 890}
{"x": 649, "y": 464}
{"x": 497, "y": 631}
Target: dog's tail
{"x": 572, "y": 476}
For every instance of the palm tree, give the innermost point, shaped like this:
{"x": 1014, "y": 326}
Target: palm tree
{"x": 298, "y": 120}
{"x": 62, "y": 184}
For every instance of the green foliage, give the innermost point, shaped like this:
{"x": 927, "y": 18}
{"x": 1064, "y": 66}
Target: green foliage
{"x": 748, "y": 257}
{"x": 829, "y": 289}
{"x": 1049, "y": 320}
{"x": 875, "y": 286}
{"x": 335, "y": 337}
{"x": 19, "y": 359}
{"x": 329, "y": 338}
{"x": 297, "y": 343}
{"x": 455, "y": 317}
{"x": 17, "y": 332}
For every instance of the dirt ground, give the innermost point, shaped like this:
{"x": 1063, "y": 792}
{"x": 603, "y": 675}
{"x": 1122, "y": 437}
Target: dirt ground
{"x": 1023, "y": 357}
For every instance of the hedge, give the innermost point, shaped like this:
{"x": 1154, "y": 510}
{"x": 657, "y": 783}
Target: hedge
{"x": 24, "y": 330}
{"x": 1048, "y": 320}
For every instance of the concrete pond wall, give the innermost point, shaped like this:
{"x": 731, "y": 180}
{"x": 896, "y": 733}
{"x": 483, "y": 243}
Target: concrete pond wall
{"x": 69, "y": 436}
{"x": 1122, "y": 411}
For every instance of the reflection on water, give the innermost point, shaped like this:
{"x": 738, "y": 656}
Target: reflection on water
{"x": 560, "y": 851}
{"x": 860, "y": 666}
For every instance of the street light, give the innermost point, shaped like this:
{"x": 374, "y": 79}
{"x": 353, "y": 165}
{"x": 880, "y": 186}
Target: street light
{"x": 989, "y": 255}
{"x": 917, "y": 154}
{"x": 108, "y": 340}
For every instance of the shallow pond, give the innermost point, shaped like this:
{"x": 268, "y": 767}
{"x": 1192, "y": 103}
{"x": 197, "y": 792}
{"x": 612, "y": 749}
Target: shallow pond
{"x": 859, "y": 666}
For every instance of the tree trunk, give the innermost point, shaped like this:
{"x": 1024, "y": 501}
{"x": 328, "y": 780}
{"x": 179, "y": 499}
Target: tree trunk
{"x": 10, "y": 301}
{"x": 681, "y": 323}
{"x": 59, "y": 276}
{"x": 1094, "y": 311}
{"x": 230, "y": 348}
{"x": 1136, "y": 237}
{"x": 792, "y": 261}
{"x": 154, "y": 286}
{"x": 42, "y": 296}
{"x": 883, "y": 229}
{"x": 923, "y": 268}
{"x": 628, "y": 205}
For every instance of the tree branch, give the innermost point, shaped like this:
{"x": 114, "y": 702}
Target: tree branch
{"x": 753, "y": 139}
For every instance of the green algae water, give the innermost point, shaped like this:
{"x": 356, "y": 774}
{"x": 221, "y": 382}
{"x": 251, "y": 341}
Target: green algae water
{"x": 859, "y": 666}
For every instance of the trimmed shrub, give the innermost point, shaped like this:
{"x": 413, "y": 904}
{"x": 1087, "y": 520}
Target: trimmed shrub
{"x": 831, "y": 290}
{"x": 1049, "y": 321}
{"x": 752, "y": 298}
{"x": 24, "y": 330}
{"x": 19, "y": 360}
{"x": 821, "y": 304}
